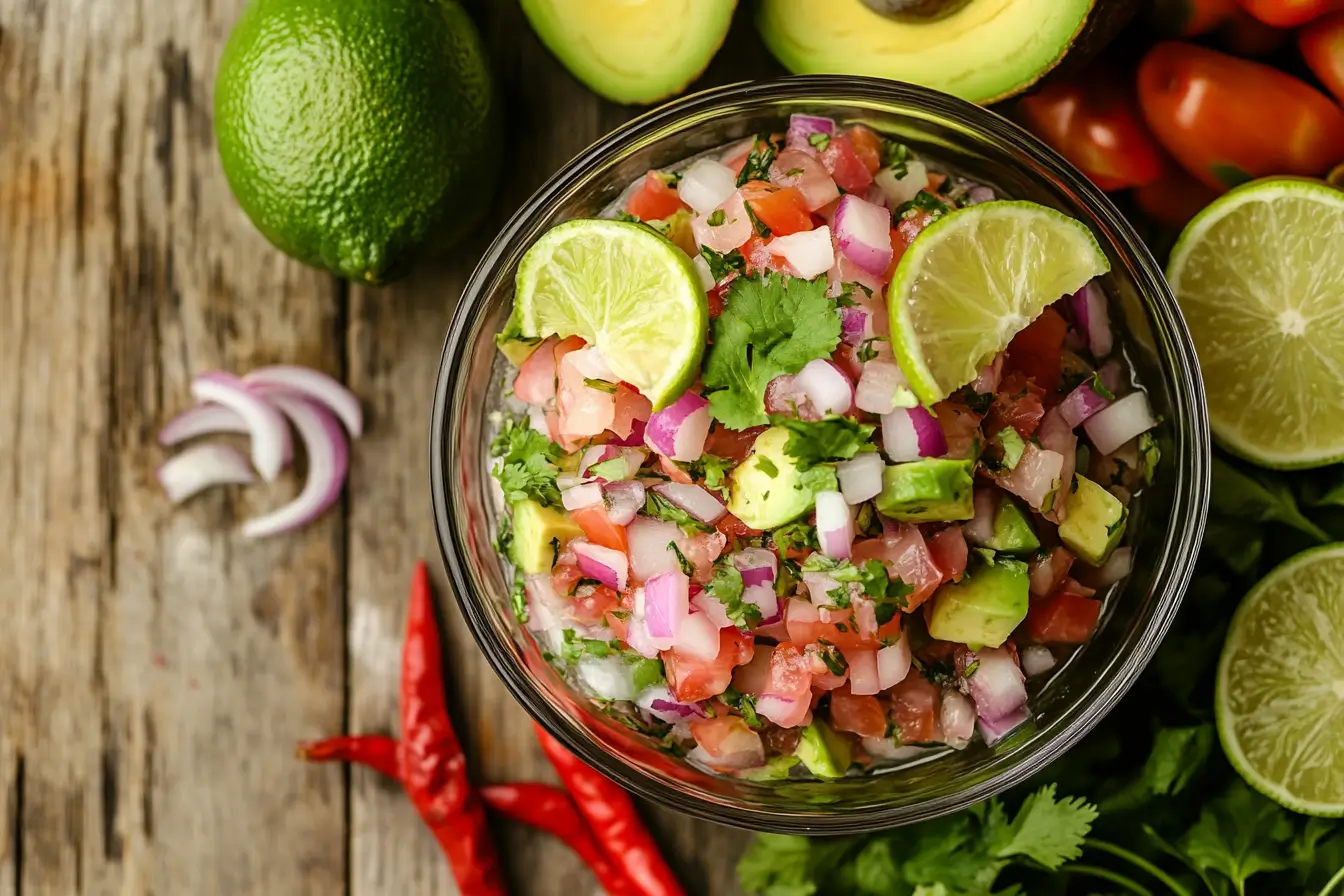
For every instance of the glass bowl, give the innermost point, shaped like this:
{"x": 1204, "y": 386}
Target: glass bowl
{"x": 1165, "y": 526}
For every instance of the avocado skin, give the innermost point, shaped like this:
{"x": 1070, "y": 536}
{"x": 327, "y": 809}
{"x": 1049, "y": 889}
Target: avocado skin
{"x": 932, "y": 489}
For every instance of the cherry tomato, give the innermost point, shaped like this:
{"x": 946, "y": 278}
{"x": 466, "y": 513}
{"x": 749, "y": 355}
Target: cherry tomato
{"x": 1174, "y": 198}
{"x": 1290, "y": 13}
{"x": 1228, "y": 120}
{"x": 654, "y": 200}
{"x": 1094, "y": 122}
{"x": 1245, "y": 35}
{"x": 1322, "y": 46}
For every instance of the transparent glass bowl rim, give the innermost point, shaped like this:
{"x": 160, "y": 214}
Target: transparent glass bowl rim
{"x": 1190, "y": 499}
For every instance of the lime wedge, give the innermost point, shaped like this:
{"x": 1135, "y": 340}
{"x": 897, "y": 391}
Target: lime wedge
{"x": 973, "y": 279}
{"x": 1259, "y": 279}
{"x": 1280, "y": 691}
{"x": 623, "y": 288}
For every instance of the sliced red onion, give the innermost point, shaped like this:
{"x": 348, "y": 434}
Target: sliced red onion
{"x": 316, "y": 385}
{"x": 785, "y": 712}
{"x": 987, "y": 383}
{"x": 809, "y": 253}
{"x": 658, "y": 700}
{"x": 611, "y": 568}
{"x": 995, "y": 731}
{"x": 860, "y": 478}
{"x": 625, "y": 499}
{"x": 765, "y": 599}
{"x": 958, "y": 719}
{"x": 827, "y": 387}
{"x": 270, "y": 435}
{"x": 328, "y": 461}
{"x": 801, "y": 127}
{"x": 980, "y": 528}
{"x": 835, "y": 525}
{"x": 863, "y": 677}
{"x": 580, "y": 496}
{"x": 711, "y": 606}
{"x": 679, "y": 430}
{"x": 1120, "y": 564}
{"x": 705, "y": 184}
{"x": 206, "y": 420}
{"x": 902, "y": 189}
{"x": 199, "y": 467}
{"x": 607, "y": 677}
{"x": 863, "y": 233}
{"x": 798, "y": 169}
{"x": 996, "y": 684}
{"x": 758, "y": 566}
{"x": 893, "y": 663}
{"x": 1037, "y": 660}
{"x": 1093, "y": 318}
{"x": 735, "y": 230}
{"x": 978, "y": 194}
{"x": 699, "y": 502}
{"x": 1122, "y": 421}
{"x": 698, "y": 636}
{"x": 882, "y": 388}
{"x": 1080, "y": 404}
{"x": 912, "y": 433}
{"x": 664, "y": 607}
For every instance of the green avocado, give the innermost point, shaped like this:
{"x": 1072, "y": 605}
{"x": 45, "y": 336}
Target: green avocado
{"x": 1013, "y": 532}
{"x": 932, "y": 489}
{"x": 979, "y": 50}
{"x": 1094, "y": 521}
{"x": 984, "y": 607}
{"x": 632, "y": 51}
{"x": 768, "y": 490}
{"x": 825, "y": 753}
{"x": 536, "y": 532}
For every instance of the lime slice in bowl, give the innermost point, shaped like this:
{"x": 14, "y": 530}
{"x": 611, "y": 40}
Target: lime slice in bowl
{"x": 975, "y": 278}
{"x": 1259, "y": 278}
{"x": 624, "y": 289}
{"x": 1279, "y": 699}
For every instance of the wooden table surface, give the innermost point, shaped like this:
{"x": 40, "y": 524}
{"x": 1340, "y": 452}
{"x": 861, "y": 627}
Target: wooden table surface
{"x": 156, "y": 668}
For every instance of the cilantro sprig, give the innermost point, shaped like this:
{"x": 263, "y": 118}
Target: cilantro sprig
{"x": 813, "y": 442}
{"x": 527, "y": 466}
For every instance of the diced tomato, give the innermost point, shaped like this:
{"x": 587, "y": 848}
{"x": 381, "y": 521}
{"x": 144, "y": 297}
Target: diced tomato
{"x": 733, "y": 527}
{"x": 1017, "y": 404}
{"x": 936, "y": 181}
{"x": 961, "y": 427}
{"x": 805, "y": 627}
{"x": 846, "y": 358}
{"x": 734, "y": 444}
{"x": 599, "y": 528}
{"x": 1049, "y": 572}
{"x": 907, "y": 558}
{"x": 1038, "y": 350}
{"x": 915, "y": 707}
{"x": 1065, "y": 617}
{"x": 909, "y": 228}
{"x": 630, "y": 407}
{"x": 753, "y": 677}
{"x": 845, "y": 166}
{"x": 674, "y": 472}
{"x": 783, "y": 211}
{"x": 564, "y": 576}
{"x": 790, "y": 674}
{"x": 693, "y": 679}
{"x": 863, "y": 715}
{"x": 654, "y": 200}
{"x": 535, "y": 382}
{"x": 715, "y": 299}
{"x": 949, "y": 552}
{"x": 593, "y": 603}
{"x": 867, "y": 146}
{"x": 759, "y": 258}
{"x": 728, "y": 742}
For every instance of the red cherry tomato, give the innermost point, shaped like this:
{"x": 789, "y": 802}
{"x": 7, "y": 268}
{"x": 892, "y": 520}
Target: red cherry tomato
{"x": 1290, "y": 13}
{"x": 1174, "y": 198}
{"x": 1322, "y": 46}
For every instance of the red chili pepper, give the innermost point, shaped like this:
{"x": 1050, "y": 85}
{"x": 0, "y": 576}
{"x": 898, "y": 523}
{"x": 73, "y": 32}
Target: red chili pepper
{"x": 551, "y": 809}
{"x": 611, "y": 813}
{"x": 376, "y": 751}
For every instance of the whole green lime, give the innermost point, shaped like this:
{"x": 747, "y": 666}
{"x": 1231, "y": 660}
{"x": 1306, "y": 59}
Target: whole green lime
{"x": 357, "y": 134}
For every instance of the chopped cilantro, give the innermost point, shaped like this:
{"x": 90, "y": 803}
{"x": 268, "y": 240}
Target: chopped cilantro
{"x": 655, "y": 505}
{"x": 726, "y": 587}
{"x": 527, "y": 468}
{"x": 743, "y": 703}
{"x": 713, "y": 470}
{"x": 761, "y": 230}
{"x": 685, "y": 564}
{"x": 1100, "y": 388}
{"x": 504, "y": 535}
{"x": 723, "y": 264}
{"x": 971, "y": 669}
{"x": 759, "y": 160}
{"x": 646, "y": 672}
{"x": 518, "y": 597}
{"x": 624, "y": 215}
{"x": 600, "y": 385}
{"x": 793, "y": 172}
{"x": 813, "y": 442}
{"x": 923, "y": 203}
{"x": 819, "y": 140}
{"x": 866, "y": 351}
{"x": 832, "y": 657}
{"x": 1149, "y": 455}
{"x": 895, "y": 156}
{"x": 716, "y": 218}
{"x": 795, "y": 537}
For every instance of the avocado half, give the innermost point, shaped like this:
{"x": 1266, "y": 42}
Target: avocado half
{"x": 632, "y": 51}
{"x": 980, "y": 50}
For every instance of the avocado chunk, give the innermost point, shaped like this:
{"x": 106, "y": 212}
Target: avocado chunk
{"x": 768, "y": 490}
{"x": 825, "y": 753}
{"x": 631, "y": 51}
{"x": 1013, "y": 532}
{"x": 968, "y": 48}
{"x": 932, "y": 489}
{"x": 536, "y": 531}
{"x": 1094, "y": 521}
{"x": 984, "y": 607}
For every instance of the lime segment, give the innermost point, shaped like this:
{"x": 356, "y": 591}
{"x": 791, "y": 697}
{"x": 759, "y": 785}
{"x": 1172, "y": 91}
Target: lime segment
{"x": 1259, "y": 279}
{"x": 1280, "y": 690}
{"x": 975, "y": 278}
{"x": 625, "y": 289}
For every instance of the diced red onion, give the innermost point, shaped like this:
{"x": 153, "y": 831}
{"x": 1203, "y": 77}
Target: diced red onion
{"x": 735, "y": 230}
{"x": 783, "y": 711}
{"x": 1093, "y": 318}
{"x": 902, "y": 189}
{"x": 765, "y": 599}
{"x": 544, "y": 606}
{"x": 658, "y": 700}
{"x": 855, "y": 325}
{"x": 1119, "y": 565}
{"x": 270, "y": 434}
{"x": 649, "y": 553}
{"x": 996, "y": 685}
{"x": 664, "y": 607}
{"x": 819, "y": 588}
{"x": 882, "y": 388}
{"x": 315, "y": 385}
{"x": 987, "y": 383}
{"x": 625, "y": 499}
{"x": 636, "y": 437}
{"x": 694, "y": 499}
{"x": 893, "y": 663}
{"x": 199, "y": 467}
{"x": 846, "y": 271}
{"x": 860, "y": 478}
{"x": 798, "y": 169}
{"x": 863, "y": 677}
{"x": 1035, "y": 476}
{"x": 580, "y": 496}
{"x": 875, "y": 195}
{"x": 808, "y": 252}
{"x": 863, "y": 233}
{"x": 865, "y": 617}
{"x": 1122, "y": 421}
{"x": 995, "y": 731}
{"x": 758, "y": 566}
{"x": 801, "y": 127}
{"x": 1081, "y": 404}
{"x": 827, "y": 387}
{"x": 912, "y": 433}
{"x": 637, "y": 635}
{"x": 980, "y": 528}
{"x": 709, "y": 605}
{"x": 957, "y": 718}
{"x": 1037, "y": 660}
{"x": 783, "y": 395}
{"x": 835, "y": 525}
{"x": 611, "y": 568}
{"x": 328, "y": 453}
{"x": 705, "y": 184}
{"x": 607, "y": 677}
{"x": 679, "y": 430}
{"x": 978, "y": 194}
{"x": 698, "y": 636}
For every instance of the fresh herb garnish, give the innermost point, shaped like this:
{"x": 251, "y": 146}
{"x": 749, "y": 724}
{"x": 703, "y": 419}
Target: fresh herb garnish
{"x": 819, "y": 140}
{"x": 923, "y": 202}
{"x": 686, "y": 565}
{"x": 716, "y": 218}
{"x": 759, "y": 160}
{"x": 866, "y": 351}
{"x": 795, "y": 537}
{"x": 830, "y": 655}
{"x": 895, "y": 156}
{"x": 600, "y": 385}
{"x": 655, "y": 505}
{"x": 721, "y": 264}
{"x": 1100, "y": 388}
{"x": 518, "y": 597}
{"x": 813, "y": 442}
{"x": 727, "y": 588}
{"x": 743, "y": 703}
{"x": 1011, "y": 442}
{"x": 527, "y": 467}
{"x": 756, "y": 224}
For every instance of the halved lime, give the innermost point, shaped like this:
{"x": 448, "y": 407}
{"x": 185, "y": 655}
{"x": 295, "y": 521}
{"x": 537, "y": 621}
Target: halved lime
{"x": 1258, "y": 275}
{"x": 625, "y": 289}
{"x": 1280, "y": 692}
{"x": 973, "y": 279}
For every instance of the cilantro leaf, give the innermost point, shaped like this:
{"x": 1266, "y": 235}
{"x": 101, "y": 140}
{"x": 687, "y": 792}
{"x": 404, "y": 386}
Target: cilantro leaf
{"x": 1045, "y": 830}
{"x": 923, "y": 203}
{"x": 1258, "y": 496}
{"x": 518, "y": 597}
{"x": 895, "y": 156}
{"x": 815, "y": 442}
{"x": 1177, "y": 754}
{"x": 721, "y": 264}
{"x": 778, "y": 865}
{"x": 795, "y": 537}
{"x": 527, "y": 467}
{"x": 727, "y": 588}
{"x": 655, "y": 505}
{"x": 759, "y": 160}
{"x": 1238, "y": 835}
{"x": 772, "y": 325}
{"x": 686, "y": 566}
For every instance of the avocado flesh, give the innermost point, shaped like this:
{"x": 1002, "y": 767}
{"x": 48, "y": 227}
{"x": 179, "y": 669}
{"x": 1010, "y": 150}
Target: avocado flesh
{"x": 1013, "y": 532}
{"x": 984, "y": 607}
{"x": 632, "y": 51}
{"x": 932, "y": 489}
{"x": 767, "y": 490}
{"x": 535, "y": 531}
{"x": 982, "y": 51}
{"x": 1094, "y": 521}
{"x": 825, "y": 753}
